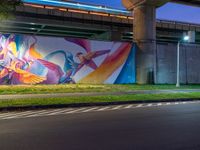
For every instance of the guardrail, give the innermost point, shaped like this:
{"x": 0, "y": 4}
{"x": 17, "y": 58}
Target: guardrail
{"x": 92, "y": 9}
{"x": 80, "y": 6}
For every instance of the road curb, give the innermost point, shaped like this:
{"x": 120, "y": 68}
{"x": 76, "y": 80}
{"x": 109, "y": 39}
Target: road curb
{"x": 75, "y": 105}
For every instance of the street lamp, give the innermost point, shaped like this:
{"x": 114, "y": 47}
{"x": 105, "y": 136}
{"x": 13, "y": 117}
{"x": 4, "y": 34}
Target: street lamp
{"x": 185, "y": 39}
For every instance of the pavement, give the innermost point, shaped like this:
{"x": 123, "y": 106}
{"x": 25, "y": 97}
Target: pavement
{"x": 154, "y": 126}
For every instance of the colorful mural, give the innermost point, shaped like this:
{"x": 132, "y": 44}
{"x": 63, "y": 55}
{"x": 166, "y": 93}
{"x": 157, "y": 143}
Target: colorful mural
{"x": 49, "y": 60}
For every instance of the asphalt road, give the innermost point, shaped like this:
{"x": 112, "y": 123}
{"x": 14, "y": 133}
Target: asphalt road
{"x": 174, "y": 127}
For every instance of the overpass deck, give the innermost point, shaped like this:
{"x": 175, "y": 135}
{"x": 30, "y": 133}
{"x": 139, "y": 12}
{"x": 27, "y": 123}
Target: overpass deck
{"x": 97, "y": 8}
{"x": 79, "y": 6}
{"x": 40, "y": 19}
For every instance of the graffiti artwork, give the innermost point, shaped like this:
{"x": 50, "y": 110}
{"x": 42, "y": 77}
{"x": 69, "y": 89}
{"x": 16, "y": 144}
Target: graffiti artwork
{"x": 49, "y": 60}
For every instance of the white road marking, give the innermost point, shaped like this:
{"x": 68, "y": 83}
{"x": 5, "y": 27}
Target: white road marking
{"x": 74, "y": 111}
{"x": 18, "y": 115}
{"x": 104, "y": 108}
{"x": 159, "y": 104}
{"x": 35, "y": 114}
{"x": 48, "y": 112}
{"x": 117, "y": 107}
{"x": 140, "y": 105}
{"x": 149, "y": 105}
{"x": 88, "y": 110}
{"x": 7, "y": 114}
{"x": 59, "y": 112}
{"x": 129, "y": 106}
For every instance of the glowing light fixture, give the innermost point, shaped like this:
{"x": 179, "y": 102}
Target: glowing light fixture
{"x": 186, "y": 38}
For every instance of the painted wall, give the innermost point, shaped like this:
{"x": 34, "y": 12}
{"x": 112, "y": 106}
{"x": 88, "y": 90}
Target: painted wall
{"x": 49, "y": 60}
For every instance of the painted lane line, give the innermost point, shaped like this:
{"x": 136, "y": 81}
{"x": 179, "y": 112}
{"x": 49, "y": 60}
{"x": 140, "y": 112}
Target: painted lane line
{"x": 104, "y": 108}
{"x": 17, "y": 115}
{"x": 129, "y": 106}
{"x": 59, "y": 112}
{"x": 38, "y": 113}
{"x": 159, "y": 104}
{"x": 140, "y": 105}
{"x": 117, "y": 107}
{"x": 91, "y": 109}
{"x": 9, "y": 114}
{"x": 74, "y": 111}
{"x": 46, "y": 113}
{"x": 149, "y": 105}
{"x": 49, "y": 112}
{"x": 6, "y": 114}
{"x": 26, "y": 114}
{"x": 52, "y": 112}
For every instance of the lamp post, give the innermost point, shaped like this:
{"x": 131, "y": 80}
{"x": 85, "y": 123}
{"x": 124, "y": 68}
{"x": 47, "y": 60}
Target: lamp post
{"x": 185, "y": 38}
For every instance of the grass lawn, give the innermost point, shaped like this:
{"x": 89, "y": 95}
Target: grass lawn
{"x": 93, "y": 99}
{"x": 72, "y": 88}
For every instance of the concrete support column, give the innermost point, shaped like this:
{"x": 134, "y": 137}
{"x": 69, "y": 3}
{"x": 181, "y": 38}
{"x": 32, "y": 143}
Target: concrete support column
{"x": 145, "y": 38}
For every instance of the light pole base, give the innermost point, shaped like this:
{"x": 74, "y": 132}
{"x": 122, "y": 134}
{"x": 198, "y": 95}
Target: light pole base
{"x": 177, "y": 85}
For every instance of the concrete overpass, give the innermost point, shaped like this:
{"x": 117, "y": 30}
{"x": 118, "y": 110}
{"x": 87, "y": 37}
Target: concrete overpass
{"x": 129, "y": 3}
{"x": 144, "y": 13}
{"x": 188, "y": 2}
{"x": 103, "y": 24}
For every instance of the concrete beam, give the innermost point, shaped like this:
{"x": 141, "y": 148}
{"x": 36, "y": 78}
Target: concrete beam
{"x": 131, "y": 4}
{"x": 188, "y": 2}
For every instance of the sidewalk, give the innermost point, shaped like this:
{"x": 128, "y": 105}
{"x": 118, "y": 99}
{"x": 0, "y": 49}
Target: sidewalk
{"x": 54, "y": 95}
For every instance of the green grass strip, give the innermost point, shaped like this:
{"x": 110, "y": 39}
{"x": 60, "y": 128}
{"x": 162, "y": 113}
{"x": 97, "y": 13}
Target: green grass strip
{"x": 73, "y": 88}
{"x": 94, "y": 99}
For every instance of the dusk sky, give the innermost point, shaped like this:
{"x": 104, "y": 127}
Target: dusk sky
{"x": 170, "y": 11}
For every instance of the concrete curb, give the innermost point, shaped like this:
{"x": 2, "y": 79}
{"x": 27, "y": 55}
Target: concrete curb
{"x": 74, "y": 105}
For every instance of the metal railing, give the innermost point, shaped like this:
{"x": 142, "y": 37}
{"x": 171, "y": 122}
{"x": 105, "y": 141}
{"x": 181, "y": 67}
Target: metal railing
{"x": 80, "y": 6}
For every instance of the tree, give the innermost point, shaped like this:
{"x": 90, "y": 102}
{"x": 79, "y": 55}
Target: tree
{"x": 7, "y": 7}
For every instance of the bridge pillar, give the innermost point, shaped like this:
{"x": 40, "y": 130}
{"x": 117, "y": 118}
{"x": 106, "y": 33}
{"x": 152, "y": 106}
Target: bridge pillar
{"x": 144, "y": 34}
